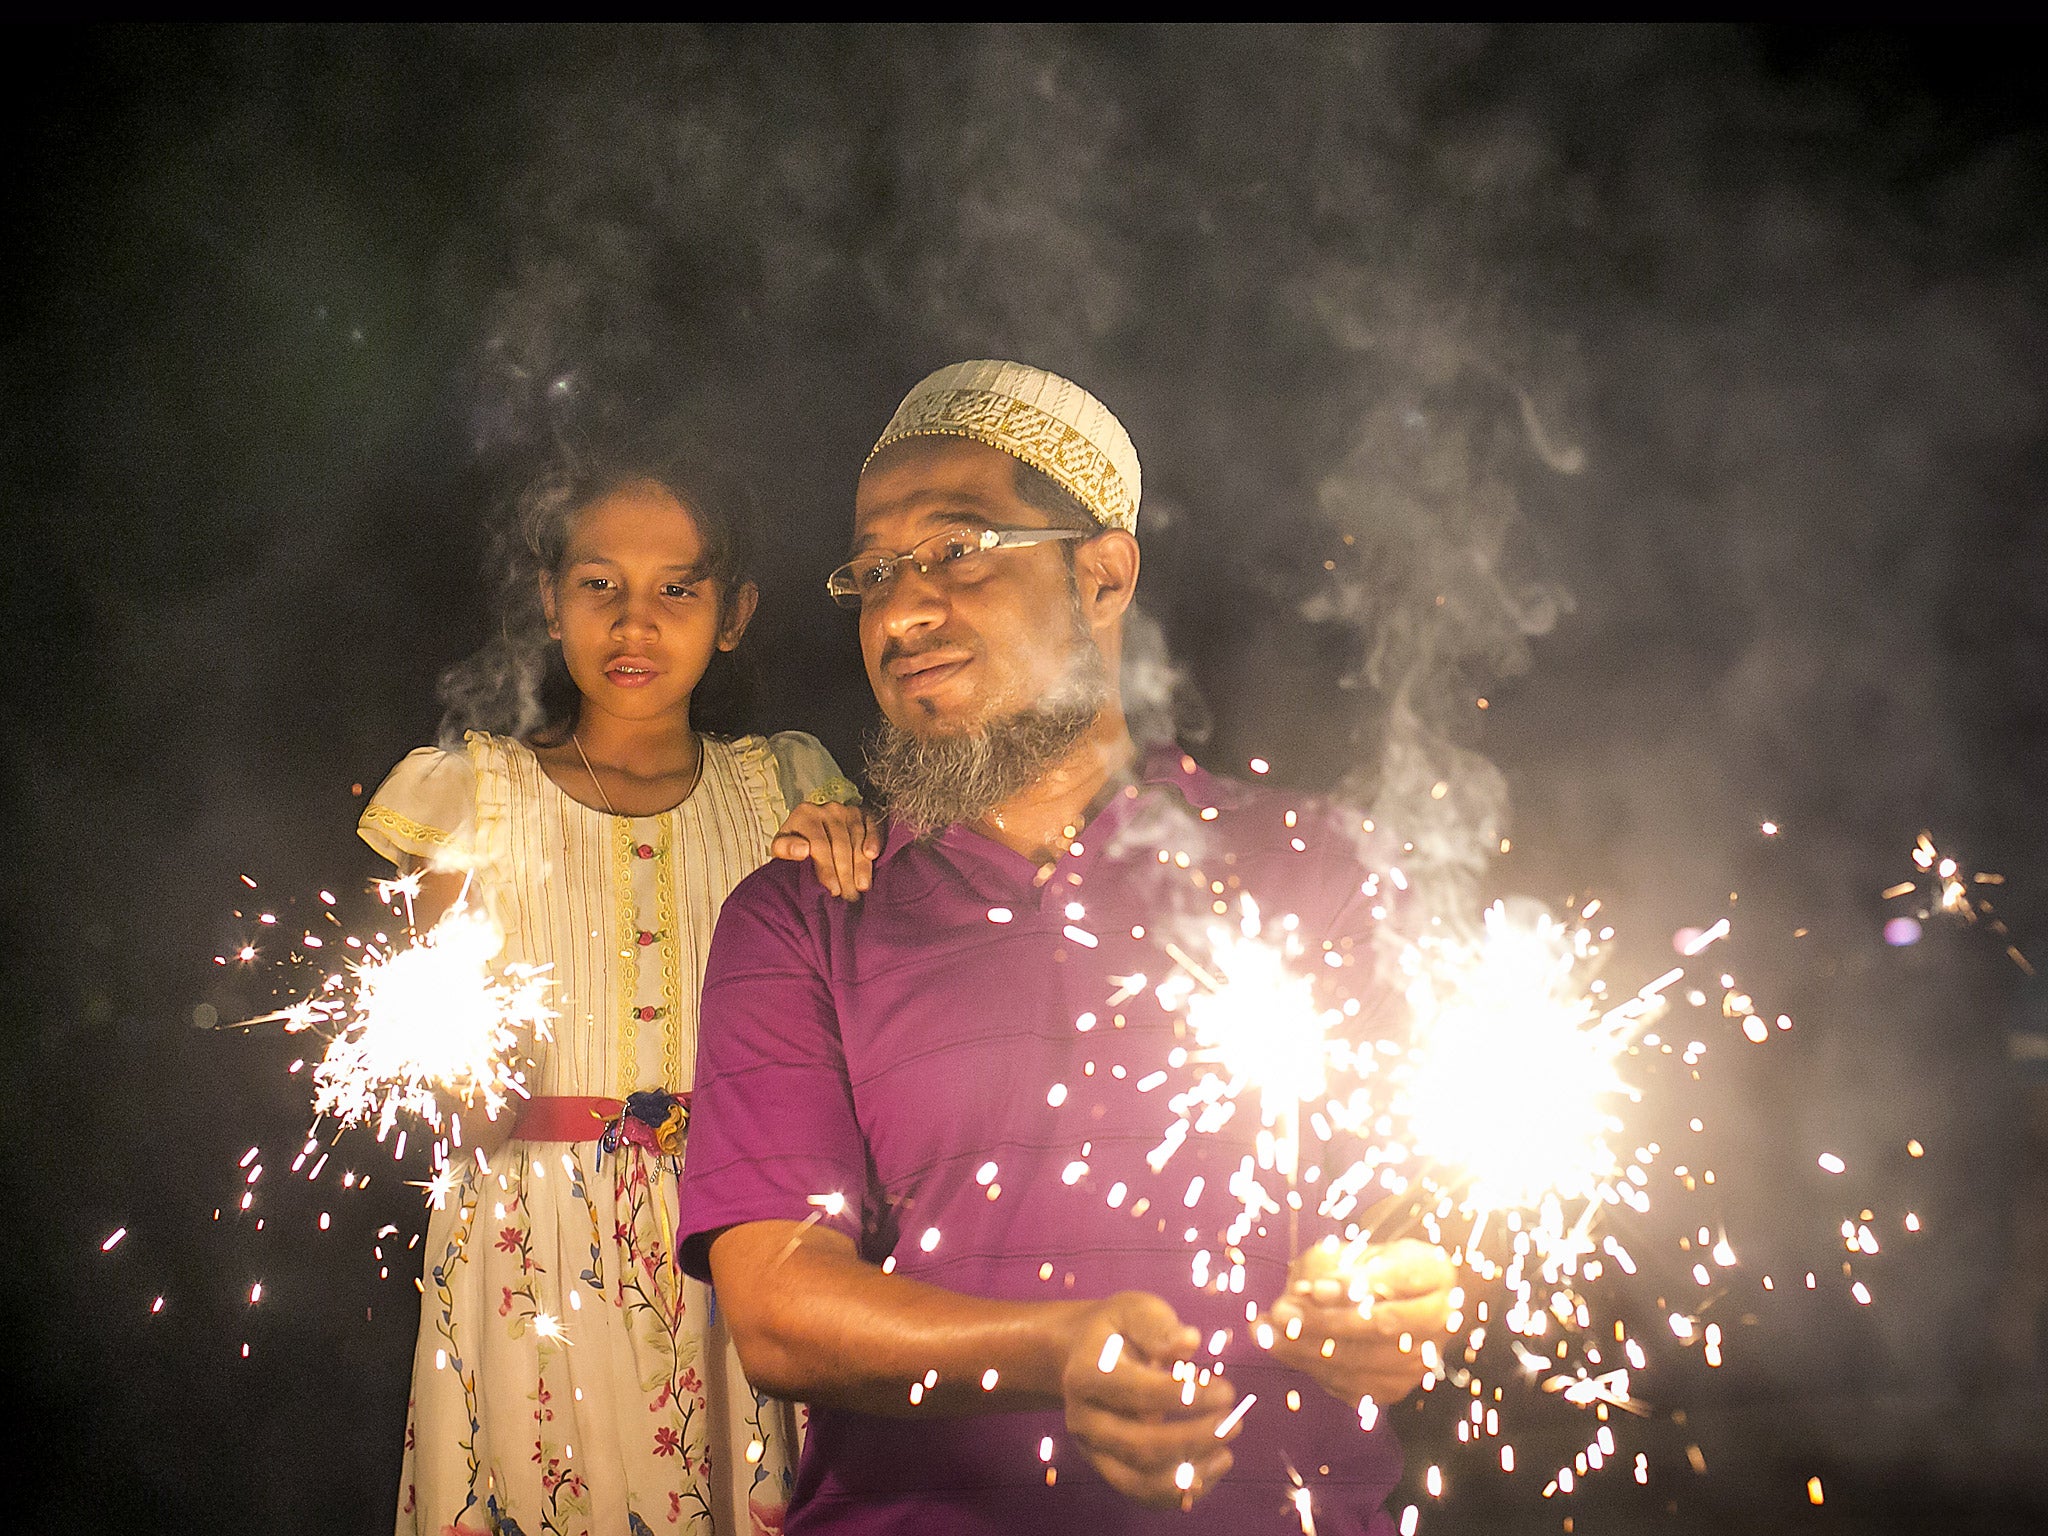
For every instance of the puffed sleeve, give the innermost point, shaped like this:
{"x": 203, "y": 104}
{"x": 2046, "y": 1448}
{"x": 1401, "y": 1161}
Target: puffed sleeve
{"x": 808, "y": 773}
{"x": 425, "y": 811}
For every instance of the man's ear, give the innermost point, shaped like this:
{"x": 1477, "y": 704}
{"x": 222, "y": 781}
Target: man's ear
{"x": 1106, "y": 573}
{"x": 547, "y": 604}
{"x": 739, "y": 613}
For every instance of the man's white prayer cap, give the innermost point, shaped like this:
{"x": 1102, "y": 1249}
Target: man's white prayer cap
{"x": 1050, "y": 423}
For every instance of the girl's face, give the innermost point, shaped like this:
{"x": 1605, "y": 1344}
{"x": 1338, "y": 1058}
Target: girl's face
{"x": 634, "y": 608}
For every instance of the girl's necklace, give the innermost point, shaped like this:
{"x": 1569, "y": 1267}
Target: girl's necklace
{"x": 599, "y": 783}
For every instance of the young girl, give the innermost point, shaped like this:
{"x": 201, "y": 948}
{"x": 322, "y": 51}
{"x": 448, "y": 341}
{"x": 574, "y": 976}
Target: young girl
{"x": 568, "y": 1378}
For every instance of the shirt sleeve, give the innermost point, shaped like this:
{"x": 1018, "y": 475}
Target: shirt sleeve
{"x": 425, "y": 811}
{"x": 808, "y": 772}
{"x": 773, "y": 1136}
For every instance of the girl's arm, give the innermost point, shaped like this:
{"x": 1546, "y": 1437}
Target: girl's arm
{"x": 826, "y": 824}
{"x": 439, "y": 891}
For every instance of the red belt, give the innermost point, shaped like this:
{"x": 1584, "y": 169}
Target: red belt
{"x": 565, "y": 1119}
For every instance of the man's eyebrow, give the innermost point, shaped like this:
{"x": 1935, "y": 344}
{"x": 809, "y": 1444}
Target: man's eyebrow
{"x": 957, "y": 513}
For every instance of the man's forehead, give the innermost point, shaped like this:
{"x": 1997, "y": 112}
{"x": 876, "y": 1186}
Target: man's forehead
{"x": 934, "y": 484}
{"x": 926, "y": 512}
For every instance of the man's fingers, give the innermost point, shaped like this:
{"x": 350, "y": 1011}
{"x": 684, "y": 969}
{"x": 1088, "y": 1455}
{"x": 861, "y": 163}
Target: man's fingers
{"x": 1153, "y": 1333}
{"x": 790, "y": 845}
{"x": 1422, "y": 1315}
{"x": 1146, "y": 1445}
{"x": 1297, "y": 1326}
{"x": 1350, "y": 1357}
{"x": 1137, "y": 1391}
{"x": 1408, "y": 1268}
{"x": 1166, "y": 1488}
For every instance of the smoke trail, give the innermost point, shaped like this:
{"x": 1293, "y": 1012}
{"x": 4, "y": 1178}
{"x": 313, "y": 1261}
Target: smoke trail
{"x": 1161, "y": 702}
{"x": 1425, "y": 510}
{"x": 1522, "y": 314}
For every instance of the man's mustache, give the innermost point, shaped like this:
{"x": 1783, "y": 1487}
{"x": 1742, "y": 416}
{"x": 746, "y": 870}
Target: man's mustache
{"x": 897, "y": 650}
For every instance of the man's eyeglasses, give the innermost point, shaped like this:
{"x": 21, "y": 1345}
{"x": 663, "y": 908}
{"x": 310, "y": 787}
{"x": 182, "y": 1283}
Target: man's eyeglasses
{"x": 956, "y": 555}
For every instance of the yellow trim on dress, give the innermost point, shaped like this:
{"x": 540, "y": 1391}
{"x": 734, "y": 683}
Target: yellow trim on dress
{"x": 629, "y": 945}
{"x": 379, "y": 815}
{"x": 838, "y": 790}
{"x": 671, "y": 947}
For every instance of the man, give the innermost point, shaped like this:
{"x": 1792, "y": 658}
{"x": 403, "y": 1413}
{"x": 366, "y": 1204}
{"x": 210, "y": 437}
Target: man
{"x": 918, "y": 1169}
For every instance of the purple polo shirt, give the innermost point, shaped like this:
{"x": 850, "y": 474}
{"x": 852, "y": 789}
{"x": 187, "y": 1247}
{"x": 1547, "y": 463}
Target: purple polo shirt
{"x": 905, "y": 1051}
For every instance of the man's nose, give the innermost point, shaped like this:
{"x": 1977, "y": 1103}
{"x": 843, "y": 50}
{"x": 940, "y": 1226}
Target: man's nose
{"x": 910, "y": 602}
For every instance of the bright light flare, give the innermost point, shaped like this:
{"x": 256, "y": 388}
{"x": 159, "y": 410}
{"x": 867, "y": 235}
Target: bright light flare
{"x": 1512, "y": 1077}
{"x": 426, "y": 1021}
{"x": 1254, "y": 1016}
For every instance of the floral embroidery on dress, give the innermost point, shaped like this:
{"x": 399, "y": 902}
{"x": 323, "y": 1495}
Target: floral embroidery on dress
{"x": 561, "y": 1385}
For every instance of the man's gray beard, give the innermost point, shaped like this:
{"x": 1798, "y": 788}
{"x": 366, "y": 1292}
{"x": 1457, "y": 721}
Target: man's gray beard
{"x": 930, "y": 782}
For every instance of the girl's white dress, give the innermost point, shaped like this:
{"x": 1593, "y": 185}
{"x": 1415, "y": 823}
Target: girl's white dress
{"x": 568, "y": 1379}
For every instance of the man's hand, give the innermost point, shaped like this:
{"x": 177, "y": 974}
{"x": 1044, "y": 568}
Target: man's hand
{"x": 815, "y": 1322}
{"x": 1138, "y": 1422}
{"x": 1358, "y": 1329}
{"x": 841, "y": 841}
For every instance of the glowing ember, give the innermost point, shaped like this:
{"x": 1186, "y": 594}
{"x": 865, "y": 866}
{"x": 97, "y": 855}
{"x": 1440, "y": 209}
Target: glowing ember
{"x": 1943, "y": 889}
{"x": 1229, "y": 1421}
{"x": 1112, "y": 1351}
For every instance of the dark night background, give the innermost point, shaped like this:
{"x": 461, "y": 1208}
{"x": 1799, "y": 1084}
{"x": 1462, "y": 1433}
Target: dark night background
{"x": 1679, "y": 391}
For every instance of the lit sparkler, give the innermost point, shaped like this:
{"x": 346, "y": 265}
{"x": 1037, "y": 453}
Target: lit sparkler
{"x": 1503, "y": 1116}
{"x": 1511, "y": 1081}
{"x": 421, "y": 1027}
{"x": 1258, "y": 1028}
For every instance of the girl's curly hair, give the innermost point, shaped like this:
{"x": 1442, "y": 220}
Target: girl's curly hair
{"x": 517, "y": 684}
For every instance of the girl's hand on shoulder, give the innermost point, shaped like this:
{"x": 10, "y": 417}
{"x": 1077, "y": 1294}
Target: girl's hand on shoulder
{"x": 841, "y": 841}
